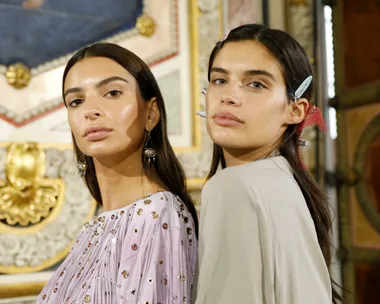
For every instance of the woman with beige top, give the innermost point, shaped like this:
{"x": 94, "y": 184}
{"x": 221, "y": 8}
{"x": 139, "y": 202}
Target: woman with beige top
{"x": 265, "y": 223}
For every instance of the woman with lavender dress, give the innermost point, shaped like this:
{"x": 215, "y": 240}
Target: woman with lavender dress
{"x": 143, "y": 247}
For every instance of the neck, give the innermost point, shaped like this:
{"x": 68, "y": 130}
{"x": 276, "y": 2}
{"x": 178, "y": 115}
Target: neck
{"x": 122, "y": 182}
{"x": 235, "y": 157}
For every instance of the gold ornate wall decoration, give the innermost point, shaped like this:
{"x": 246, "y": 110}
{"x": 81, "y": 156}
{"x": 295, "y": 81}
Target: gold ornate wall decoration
{"x": 26, "y": 197}
{"x": 146, "y": 25}
{"x": 18, "y": 75}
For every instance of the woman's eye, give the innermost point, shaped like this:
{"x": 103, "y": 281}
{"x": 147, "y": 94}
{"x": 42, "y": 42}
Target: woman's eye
{"x": 257, "y": 85}
{"x": 114, "y": 93}
{"x": 74, "y": 103}
{"x": 219, "y": 81}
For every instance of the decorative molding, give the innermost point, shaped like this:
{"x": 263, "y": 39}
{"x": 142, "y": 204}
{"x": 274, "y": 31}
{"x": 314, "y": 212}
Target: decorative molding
{"x": 42, "y": 245}
{"x": 35, "y": 101}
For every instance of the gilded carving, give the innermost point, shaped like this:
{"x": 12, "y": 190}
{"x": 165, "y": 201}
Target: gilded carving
{"x": 146, "y": 25}
{"x": 18, "y": 75}
{"x": 26, "y": 196}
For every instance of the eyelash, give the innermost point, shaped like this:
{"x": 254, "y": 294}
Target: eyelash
{"x": 74, "y": 103}
{"x": 260, "y": 84}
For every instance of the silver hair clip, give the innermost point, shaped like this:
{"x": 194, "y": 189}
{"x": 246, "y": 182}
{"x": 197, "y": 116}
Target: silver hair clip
{"x": 201, "y": 114}
{"x": 303, "y": 143}
{"x": 302, "y": 88}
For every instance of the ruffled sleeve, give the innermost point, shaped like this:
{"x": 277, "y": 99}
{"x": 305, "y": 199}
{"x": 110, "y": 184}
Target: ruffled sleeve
{"x": 159, "y": 252}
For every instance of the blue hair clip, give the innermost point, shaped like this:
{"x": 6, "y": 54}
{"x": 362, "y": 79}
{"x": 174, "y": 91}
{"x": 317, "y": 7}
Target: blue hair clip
{"x": 303, "y": 87}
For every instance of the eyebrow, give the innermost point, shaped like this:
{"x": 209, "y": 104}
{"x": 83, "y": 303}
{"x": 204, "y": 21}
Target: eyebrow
{"x": 98, "y": 85}
{"x": 248, "y": 72}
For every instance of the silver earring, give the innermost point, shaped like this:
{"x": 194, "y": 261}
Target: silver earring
{"x": 204, "y": 90}
{"x": 149, "y": 151}
{"x": 82, "y": 168}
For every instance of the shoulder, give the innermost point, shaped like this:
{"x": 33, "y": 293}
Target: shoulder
{"x": 161, "y": 205}
{"x": 158, "y": 202}
{"x": 263, "y": 180}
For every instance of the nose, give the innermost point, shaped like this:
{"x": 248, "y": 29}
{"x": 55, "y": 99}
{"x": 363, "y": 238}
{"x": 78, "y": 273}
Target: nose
{"x": 230, "y": 99}
{"x": 92, "y": 113}
{"x": 92, "y": 109}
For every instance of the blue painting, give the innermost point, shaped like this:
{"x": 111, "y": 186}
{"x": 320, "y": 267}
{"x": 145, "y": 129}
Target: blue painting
{"x": 34, "y": 32}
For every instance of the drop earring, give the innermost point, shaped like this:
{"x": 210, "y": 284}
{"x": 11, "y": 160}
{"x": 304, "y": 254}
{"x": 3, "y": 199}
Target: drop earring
{"x": 149, "y": 150}
{"x": 82, "y": 168}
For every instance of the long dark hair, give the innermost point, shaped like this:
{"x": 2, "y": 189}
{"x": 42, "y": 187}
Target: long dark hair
{"x": 166, "y": 168}
{"x": 296, "y": 67}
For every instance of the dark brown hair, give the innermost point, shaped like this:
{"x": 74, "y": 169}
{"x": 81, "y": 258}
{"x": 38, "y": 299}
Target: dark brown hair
{"x": 296, "y": 67}
{"x": 166, "y": 168}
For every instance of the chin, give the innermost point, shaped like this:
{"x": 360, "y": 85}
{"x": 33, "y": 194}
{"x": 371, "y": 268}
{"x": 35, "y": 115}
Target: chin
{"x": 99, "y": 150}
{"x": 227, "y": 141}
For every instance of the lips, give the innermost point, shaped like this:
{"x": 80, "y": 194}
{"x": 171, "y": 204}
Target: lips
{"x": 95, "y": 133}
{"x": 227, "y": 119}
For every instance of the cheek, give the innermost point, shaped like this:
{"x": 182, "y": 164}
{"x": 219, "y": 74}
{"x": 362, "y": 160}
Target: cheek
{"x": 74, "y": 123}
{"x": 211, "y": 98}
{"x": 132, "y": 120}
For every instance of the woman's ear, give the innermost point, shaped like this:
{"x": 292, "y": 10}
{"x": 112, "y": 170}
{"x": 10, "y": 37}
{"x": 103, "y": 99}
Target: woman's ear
{"x": 152, "y": 114}
{"x": 297, "y": 111}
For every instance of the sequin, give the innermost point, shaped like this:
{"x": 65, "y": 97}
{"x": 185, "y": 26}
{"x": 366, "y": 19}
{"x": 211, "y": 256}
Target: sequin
{"x": 150, "y": 280}
{"x": 134, "y": 247}
{"x": 133, "y": 291}
{"x": 189, "y": 230}
{"x": 154, "y": 214}
{"x": 161, "y": 262}
{"x": 55, "y": 289}
{"x": 136, "y": 230}
{"x": 147, "y": 201}
{"x": 125, "y": 274}
{"x": 87, "y": 299}
{"x": 139, "y": 211}
{"x": 165, "y": 226}
{"x": 186, "y": 219}
{"x": 44, "y": 297}
{"x": 84, "y": 285}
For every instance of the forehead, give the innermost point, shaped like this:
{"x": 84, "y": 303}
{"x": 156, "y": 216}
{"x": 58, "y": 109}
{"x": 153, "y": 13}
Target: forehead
{"x": 95, "y": 69}
{"x": 239, "y": 56}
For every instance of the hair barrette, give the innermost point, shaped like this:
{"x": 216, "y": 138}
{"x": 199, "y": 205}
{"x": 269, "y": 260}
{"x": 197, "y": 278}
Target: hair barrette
{"x": 201, "y": 114}
{"x": 303, "y": 143}
{"x": 303, "y": 87}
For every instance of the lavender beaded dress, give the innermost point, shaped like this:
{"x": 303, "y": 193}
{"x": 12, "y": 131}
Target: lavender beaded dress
{"x": 143, "y": 253}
